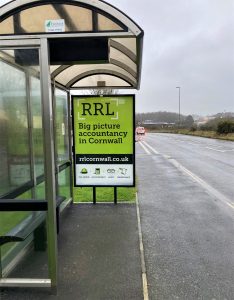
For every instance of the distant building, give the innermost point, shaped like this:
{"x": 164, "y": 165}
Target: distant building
{"x": 153, "y": 124}
{"x": 204, "y": 120}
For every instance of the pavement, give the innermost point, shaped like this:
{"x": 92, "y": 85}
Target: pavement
{"x": 99, "y": 257}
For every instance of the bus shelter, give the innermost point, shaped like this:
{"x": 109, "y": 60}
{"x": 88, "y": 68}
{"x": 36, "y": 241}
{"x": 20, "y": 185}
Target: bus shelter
{"x": 48, "y": 49}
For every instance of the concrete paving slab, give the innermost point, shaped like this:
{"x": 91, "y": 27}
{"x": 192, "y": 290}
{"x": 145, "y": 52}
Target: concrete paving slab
{"x": 99, "y": 256}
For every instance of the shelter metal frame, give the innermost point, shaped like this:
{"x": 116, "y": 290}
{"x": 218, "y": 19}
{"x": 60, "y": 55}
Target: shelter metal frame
{"x": 48, "y": 80}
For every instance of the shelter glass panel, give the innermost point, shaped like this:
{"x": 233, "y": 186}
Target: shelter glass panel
{"x": 79, "y": 72}
{"x": 35, "y": 93}
{"x": 62, "y": 141}
{"x": 64, "y": 183}
{"x": 123, "y": 59}
{"x": 9, "y": 220}
{"x": 105, "y": 24}
{"x": 40, "y": 191}
{"x": 106, "y": 80}
{"x": 128, "y": 43}
{"x": 14, "y": 129}
{"x": 20, "y": 113}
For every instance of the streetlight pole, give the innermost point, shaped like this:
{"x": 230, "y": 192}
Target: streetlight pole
{"x": 178, "y": 87}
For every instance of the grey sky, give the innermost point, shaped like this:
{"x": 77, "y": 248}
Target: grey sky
{"x": 188, "y": 43}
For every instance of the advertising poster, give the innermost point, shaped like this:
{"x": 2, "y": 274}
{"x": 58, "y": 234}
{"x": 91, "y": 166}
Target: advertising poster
{"x": 104, "y": 147}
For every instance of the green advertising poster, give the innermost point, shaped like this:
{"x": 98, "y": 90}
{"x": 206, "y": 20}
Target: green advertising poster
{"x": 103, "y": 131}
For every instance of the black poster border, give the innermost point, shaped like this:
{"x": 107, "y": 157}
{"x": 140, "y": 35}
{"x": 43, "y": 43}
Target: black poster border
{"x": 133, "y": 138}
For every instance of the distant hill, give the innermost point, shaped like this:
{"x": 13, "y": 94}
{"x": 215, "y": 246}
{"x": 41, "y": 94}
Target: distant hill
{"x": 225, "y": 115}
{"x": 172, "y": 117}
{"x": 157, "y": 117}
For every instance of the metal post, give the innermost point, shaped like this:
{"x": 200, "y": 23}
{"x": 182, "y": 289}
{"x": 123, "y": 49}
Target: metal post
{"x": 0, "y": 262}
{"x": 70, "y": 142}
{"x": 94, "y": 195}
{"x": 30, "y": 126}
{"x": 115, "y": 195}
{"x": 55, "y": 136}
{"x": 49, "y": 163}
{"x": 178, "y": 87}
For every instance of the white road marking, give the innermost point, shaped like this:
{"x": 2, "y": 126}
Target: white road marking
{"x": 146, "y": 150}
{"x": 151, "y": 148}
{"x": 143, "y": 267}
{"x": 220, "y": 150}
{"x": 167, "y": 156}
{"x": 194, "y": 144}
{"x": 212, "y": 191}
{"x": 215, "y": 149}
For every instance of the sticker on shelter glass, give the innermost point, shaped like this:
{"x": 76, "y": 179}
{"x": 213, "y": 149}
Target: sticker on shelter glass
{"x": 55, "y": 25}
{"x": 103, "y": 129}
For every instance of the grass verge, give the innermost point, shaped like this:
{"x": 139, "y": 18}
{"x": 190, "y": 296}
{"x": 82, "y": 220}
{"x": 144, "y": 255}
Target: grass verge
{"x": 200, "y": 133}
{"x": 104, "y": 194}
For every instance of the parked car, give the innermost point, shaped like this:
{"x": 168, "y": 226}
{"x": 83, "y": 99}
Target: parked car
{"x": 139, "y": 133}
{"x": 140, "y": 130}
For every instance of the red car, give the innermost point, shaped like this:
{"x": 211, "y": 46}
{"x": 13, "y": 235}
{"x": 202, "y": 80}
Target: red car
{"x": 140, "y": 130}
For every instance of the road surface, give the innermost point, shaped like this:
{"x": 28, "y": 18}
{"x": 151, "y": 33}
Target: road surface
{"x": 186, "y": 198}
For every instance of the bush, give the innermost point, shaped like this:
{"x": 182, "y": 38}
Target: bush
{"x": 210, "y": 125}
{"x": 193, "y": 128}
{"x": 225, "y": 127}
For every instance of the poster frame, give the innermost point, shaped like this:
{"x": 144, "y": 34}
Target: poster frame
{"x": 133, "y": 138}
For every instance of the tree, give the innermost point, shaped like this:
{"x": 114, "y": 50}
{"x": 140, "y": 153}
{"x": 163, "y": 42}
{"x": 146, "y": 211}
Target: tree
{"x": 189, "y": 121}
{"x": 225, "y": 126}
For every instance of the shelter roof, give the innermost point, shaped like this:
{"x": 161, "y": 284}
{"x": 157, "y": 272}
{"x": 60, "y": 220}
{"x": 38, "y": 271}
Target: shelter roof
{"x": 92, "y": 43}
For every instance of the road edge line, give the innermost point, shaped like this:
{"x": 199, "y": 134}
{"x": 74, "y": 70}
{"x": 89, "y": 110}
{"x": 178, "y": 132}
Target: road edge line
{"x": 143, "y": 147}
{"x": 151, "y": 148}
{"x": 143, "y": 267}
{"x": 211, "y": 190}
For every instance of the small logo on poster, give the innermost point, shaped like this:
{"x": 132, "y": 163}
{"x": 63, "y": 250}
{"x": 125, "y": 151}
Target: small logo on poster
{"x": 97, "y": 171}
{"x": 123, "y": 171}
{"x": 55, "y": 25}
{"x": 84, "y": 171}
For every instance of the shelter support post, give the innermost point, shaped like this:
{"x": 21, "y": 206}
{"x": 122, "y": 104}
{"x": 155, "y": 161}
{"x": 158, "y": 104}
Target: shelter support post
{"x": 70, "y": 141}
{"x": 50, "y": 186}
{"x": 115, "y": 194}
{"x": 0, "y": 262}
{"x": 94, "y": 195}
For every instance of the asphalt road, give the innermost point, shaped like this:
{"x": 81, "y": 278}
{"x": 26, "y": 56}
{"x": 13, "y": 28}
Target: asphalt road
{"x": 186, "y": 198}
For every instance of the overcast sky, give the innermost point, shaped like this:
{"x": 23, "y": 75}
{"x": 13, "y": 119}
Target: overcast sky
{"x": 187, "y": 43}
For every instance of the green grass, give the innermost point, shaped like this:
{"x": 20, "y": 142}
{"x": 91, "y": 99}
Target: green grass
{"x": 8, "y": 220}
{"x": 210, "y": 134}
{"x": 104, "y": 194}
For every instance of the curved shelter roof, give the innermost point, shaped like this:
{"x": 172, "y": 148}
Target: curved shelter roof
{"x": 111, "y": 41}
